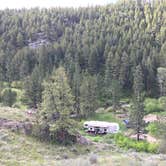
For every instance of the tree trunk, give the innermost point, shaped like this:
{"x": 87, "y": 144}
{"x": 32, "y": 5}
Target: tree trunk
{"x": 138, "y": 134}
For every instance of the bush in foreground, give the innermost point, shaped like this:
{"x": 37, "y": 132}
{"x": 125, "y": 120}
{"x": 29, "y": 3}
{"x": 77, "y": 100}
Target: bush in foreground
{"x": 140, "y": 146}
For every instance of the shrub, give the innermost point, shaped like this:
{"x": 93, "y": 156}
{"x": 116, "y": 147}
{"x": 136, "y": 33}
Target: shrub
{"x": 162, "y": 102}
{"x": 8, "y": 97}
{"x": 157, "y": 129}
{"x": 153, "y": 148}
{"x": 125, "y": 142}
{"x": 17, "y": 84}
{"x": 152, "y": 128}
{"x": 153, "y": 105}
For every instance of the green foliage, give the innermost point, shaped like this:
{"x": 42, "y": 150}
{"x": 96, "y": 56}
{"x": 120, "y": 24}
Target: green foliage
{"x": 103, "y": 43}
{"x": 12, "y": 114}
{"x": 88, "y": 95}
{"x": 157, "y": 129}
{"x": 153, "y": 105}
{"x": 161, "y": 76}
{"x": 139, "y": 146}
{"x": 57, "y": 107}
{"x": 17, "y": 84}
{"x": 152, "y": 128}
{"x": 137, "y": 113}
{"x": 115, "y": 93}
{"x": 33, "y": 89}
{"x": 162, "y": 102}
{"x": 8, "y": 97}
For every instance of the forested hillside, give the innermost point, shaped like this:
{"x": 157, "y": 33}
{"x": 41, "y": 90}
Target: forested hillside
{"x": 93, "y": 78}
{"x": 99, "y": 47}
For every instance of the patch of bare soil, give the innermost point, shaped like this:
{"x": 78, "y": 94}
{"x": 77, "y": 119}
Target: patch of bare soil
{"x": 146, "y": 137}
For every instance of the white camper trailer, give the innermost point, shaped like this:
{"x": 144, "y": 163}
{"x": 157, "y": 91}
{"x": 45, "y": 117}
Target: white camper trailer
{"x": 100, "y": 127}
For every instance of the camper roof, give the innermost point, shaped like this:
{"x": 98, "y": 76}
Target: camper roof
{"x": 100, "y": 124}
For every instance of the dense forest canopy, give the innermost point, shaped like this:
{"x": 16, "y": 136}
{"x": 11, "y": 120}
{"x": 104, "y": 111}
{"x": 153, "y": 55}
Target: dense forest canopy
{"x": 95, "y": 45}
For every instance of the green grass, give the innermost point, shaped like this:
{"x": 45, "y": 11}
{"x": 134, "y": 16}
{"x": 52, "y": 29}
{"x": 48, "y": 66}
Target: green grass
{"x": 12, "y": 114}
{"x": 20, "y": 150}
{"x": 160, "y": 113}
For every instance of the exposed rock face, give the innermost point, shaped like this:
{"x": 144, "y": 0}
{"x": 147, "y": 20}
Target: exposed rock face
{"x": 22, "y": 127}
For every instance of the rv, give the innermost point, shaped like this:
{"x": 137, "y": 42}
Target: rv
{"x": 100, "y": 127}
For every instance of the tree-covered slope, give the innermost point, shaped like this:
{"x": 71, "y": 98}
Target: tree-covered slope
{"x": 106, "y": 42}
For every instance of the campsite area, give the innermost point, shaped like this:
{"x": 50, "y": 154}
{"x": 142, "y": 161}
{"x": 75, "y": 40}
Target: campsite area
{"x": 82, "y": 86}
{"x": 17, "y": 147}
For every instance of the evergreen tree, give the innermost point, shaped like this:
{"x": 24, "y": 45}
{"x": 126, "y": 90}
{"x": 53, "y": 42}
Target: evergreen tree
{"x": 115, "y": 93}
{"x": 108, "y": 71}
{"x": 33, "y": 89}
{"x": 108, "y": 76}
{"x": 161, "y": 75}
{"x": 133, "y": 33}
{"x": 76, "y": 89}
{"x": 88, "y": 91}
{"x": 137, "y": 113}
{"x": 124, "y": 71}
{"x": 57, "y": 107}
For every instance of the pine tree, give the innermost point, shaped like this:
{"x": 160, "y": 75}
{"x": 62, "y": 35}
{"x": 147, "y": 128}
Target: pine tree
{"x": 161, "y": 75}
{"x": 2, "y": 66}
{"x": 20, "y": 40}
{"x": 57, "y": 107}
{"x": 108, "y": 76}
{"x": 108, "y": 71}
{"x": 88, "y": 91}
{"x": 76, "y": 89}
{"x": 115, "y": 93}
{"x": 33, "y": 89}
{"x": 137, "y": 113}
{"x": 124, "y": 70}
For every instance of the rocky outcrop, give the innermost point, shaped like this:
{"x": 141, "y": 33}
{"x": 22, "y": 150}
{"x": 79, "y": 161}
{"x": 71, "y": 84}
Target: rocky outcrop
{"x": 16, "y": 126}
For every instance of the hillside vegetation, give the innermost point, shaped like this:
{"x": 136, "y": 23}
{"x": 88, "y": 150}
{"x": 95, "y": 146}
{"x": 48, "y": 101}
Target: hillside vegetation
{"x": 108, "y": 42}
{"x": 18, "y": 150}
{"x": 62, "y": 66}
